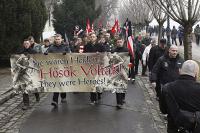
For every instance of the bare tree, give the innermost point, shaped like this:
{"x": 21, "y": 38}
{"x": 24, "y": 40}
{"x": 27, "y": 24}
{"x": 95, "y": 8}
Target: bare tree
{"x": 138, "y": 12}
{"x": 159, "y": 15}
{"x": 49, "y": 5}
{"x": 186, "y": 13}
{"x": 148, "y": 16}
{"x": 108, "y": 7}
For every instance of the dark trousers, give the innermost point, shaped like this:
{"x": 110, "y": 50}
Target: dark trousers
{"x": 131, "y": 73}
{"x": 158, "y": 88}
{"x": 120, "y": 97}
{"x": 180, "y": 41}
{"x": 56, "y": 95}
{"x": 94, "y": 96}
{"x": 171, "y": 127}
{"x": 168, "y": 38}
{"x": 132, "y": 70}
{"x": 26, "y": 98}
{"x": 197, "y": 39}
{"x": 174, "y": 40}
{"x": 137, "y": 60}
{"x": 144, "y": 68}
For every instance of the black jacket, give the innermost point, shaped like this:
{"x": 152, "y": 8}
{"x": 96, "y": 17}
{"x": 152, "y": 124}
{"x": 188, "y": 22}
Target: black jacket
{"x": 92, "y": 48}
{"x": 155, "y": 53}
{"x": 166, "y": 69}
{"x": 59, "y": 49}
{"x": 26, "y": 51}
{"x": 121, "y": 49}
{"x": 75, "y": 48}
{"x": 108, "y": 47}
{"x": 139, "y": 50}
{"x": 146, "y": 41}
{"x": 180, "y": 100}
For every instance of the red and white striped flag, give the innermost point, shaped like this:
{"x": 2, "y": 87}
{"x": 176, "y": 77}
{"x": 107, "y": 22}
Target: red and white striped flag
{"x": 88, "y": 28}
{"x": 130, "y": 46}
{"x": 118, "y": 27}
{"x": 114, "y": 28}
{"x": 92, "y": 28}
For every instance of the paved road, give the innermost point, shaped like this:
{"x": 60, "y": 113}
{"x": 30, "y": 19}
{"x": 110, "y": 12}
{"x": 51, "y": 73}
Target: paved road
{"x": 77, "y": 116}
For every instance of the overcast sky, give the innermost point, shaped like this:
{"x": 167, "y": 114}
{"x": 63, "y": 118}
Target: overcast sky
{"x": 172, "y": 23}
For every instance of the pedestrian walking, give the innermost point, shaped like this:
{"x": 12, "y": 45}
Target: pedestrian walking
{"x": 174, "y": 33}
{"x": 120, "y": 96}
{"x": 145, "y": 55}
{"x": 22, "y": 76}
{"x": 58, "y": 47}
{"x": 154, "y": 54}
{"x": 93, "y": 47}
{"x": 180, "y": 100}
{"x": 166, "y": 68}
{"x": 180, "y": 35}
{"x": 168, "y": 34}
{"x": 138, "y": 52}
{"x": 197, "y": 34}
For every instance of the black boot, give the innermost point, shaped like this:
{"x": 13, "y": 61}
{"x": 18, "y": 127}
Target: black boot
{"x": 26, "y": 101}
{"x": 37, "y": 97}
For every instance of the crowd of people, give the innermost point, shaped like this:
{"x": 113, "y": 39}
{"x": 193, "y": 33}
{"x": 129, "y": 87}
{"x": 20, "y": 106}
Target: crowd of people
{"x": 174, "y": 33}
{"x": 173, "y": 79}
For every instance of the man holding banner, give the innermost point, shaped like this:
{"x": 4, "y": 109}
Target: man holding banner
{"x": 58, "y": 47}
{"x": 93, "y": 47}
{"x": 119, "y": 95}
{"x": 21, "y": 79}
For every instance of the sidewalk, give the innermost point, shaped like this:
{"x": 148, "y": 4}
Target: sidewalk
{"x": 5, "y": 82}
{"x": 195, "y": 51}
{"x": 5, "y": 85}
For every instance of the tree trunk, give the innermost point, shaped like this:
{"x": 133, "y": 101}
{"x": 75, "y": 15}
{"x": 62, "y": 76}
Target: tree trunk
{"x": 147, "y": 27}
{"x": 41, "y": 38}
{"x": 187, "y": 41}
{"x": 160, "y": 32}
{"x": 37, "y": 37}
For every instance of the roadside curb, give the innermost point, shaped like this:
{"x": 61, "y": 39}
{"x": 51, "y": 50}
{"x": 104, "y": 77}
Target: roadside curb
{"x": 6, "y": 96}
{"x": 152, "y": 104}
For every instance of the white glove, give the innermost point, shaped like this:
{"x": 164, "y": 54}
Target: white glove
{"x": 153, "y": 84}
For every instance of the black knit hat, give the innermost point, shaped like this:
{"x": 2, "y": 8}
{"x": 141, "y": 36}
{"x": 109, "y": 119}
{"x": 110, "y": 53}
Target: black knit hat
{"x": 163, "y": 41}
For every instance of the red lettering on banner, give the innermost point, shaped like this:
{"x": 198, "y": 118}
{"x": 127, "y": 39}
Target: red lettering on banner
{"x": 101, "y": 70}
{"x": 86, "y": 72}
{"x": 58, "y": 73}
